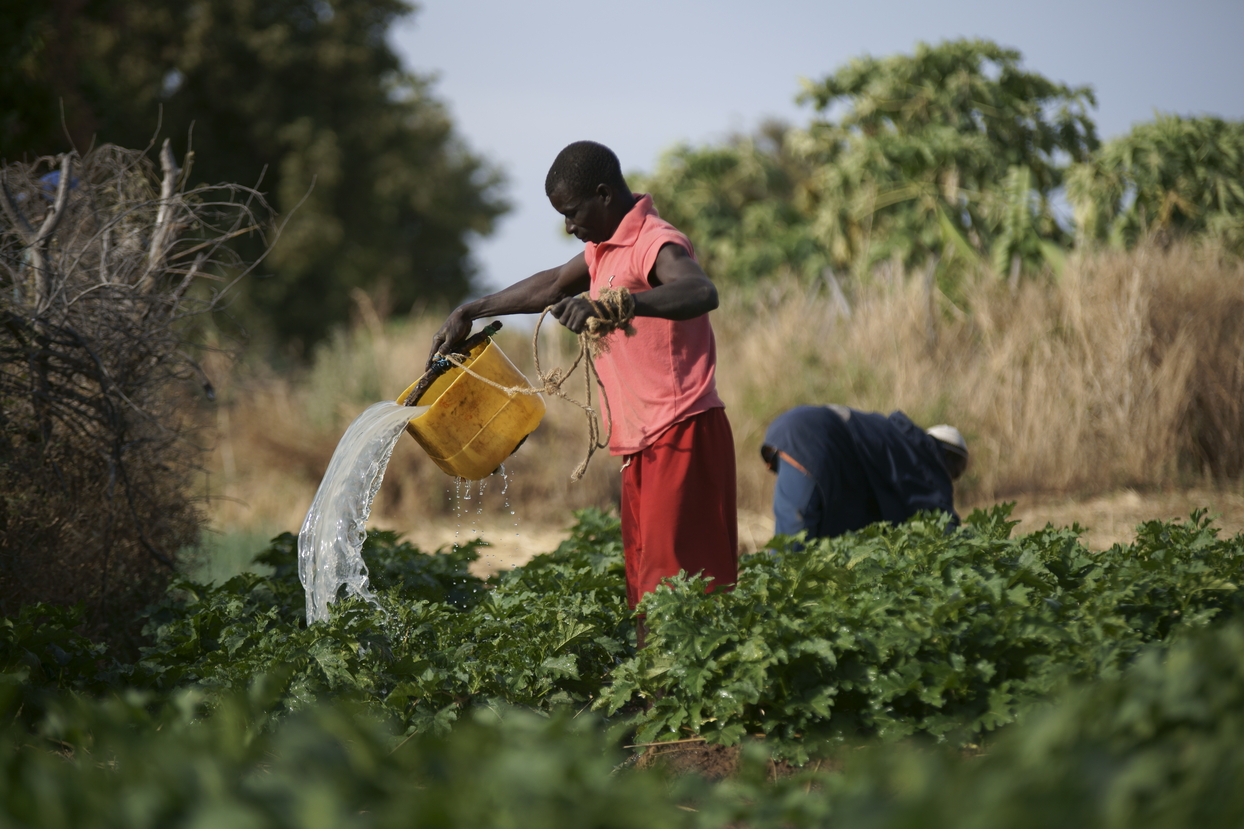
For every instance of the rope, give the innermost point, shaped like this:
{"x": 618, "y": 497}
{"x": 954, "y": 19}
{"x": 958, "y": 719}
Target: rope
{"x": 614, "y": 311}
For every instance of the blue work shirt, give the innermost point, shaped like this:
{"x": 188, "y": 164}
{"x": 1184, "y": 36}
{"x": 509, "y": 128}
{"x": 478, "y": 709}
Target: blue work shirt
{"x": 861, "y": 468}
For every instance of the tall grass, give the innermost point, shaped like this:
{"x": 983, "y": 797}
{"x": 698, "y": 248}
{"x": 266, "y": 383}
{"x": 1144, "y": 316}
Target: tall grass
{"x": 1128, "y": 371}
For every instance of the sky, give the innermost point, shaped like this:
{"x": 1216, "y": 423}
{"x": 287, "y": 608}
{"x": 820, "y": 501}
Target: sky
{"x": 523, "y": 78}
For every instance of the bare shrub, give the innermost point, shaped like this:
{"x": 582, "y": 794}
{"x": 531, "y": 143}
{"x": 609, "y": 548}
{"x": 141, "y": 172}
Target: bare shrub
{"x": 108, "y": 272}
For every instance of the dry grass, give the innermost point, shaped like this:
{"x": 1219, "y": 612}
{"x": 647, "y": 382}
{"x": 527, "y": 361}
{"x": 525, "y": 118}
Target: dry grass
{"x": 1128, "y": 372}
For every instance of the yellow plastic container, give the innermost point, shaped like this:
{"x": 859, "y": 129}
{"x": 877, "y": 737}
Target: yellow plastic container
{"x": 470, "y": 428}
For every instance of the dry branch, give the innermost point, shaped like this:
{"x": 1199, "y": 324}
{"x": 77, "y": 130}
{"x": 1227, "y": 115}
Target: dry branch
{"x": 94, "y": 427}
{"x": 164, "y": 221}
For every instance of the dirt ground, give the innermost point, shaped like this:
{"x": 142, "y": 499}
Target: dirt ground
{"x": 1112, "y": 518}
{"x": 510, "y": 543}
{"x": 1108, "y": 519}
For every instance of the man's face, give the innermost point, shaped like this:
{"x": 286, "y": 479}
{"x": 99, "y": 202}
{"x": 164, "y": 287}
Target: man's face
{"x": 587, "y": 217}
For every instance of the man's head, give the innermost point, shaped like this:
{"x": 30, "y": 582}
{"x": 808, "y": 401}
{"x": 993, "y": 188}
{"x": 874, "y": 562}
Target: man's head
{"x": 954, "y": 448}
{"x": 586, "y": 186}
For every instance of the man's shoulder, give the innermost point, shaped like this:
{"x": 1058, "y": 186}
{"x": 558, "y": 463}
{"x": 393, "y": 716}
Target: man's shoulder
{"x": 655, "y": 229}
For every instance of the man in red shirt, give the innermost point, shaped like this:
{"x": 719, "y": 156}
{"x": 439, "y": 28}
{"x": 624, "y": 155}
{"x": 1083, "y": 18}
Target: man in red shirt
{"x": 678, "y": 475}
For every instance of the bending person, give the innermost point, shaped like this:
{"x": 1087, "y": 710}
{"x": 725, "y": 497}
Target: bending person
{"x": 840, "y": 469}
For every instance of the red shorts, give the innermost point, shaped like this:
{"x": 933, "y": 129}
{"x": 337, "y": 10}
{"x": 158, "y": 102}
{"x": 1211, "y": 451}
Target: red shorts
{"x": 678, "y": 506}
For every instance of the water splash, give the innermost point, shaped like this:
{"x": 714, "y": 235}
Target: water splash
{"x": 331, "y": 540}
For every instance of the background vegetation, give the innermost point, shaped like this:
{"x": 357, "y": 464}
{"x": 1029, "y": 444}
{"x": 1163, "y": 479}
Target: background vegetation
{"x": 904, "y": 249}
{"x": 942, "y": 161}
{"x": 1096, "y": 381}
{"x": 302, "y": 99}
{"x": 947, "y": 235}
{"x": 110, "y": 271}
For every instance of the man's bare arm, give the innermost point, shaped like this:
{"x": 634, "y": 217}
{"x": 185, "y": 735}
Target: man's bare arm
{"x": 681, "y": 291}
{"x": 528, "y": 296}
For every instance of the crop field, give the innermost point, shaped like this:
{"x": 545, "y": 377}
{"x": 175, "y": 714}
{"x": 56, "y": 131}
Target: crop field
{"x": 897, "y": 672}
{"x": 1007, "y": 672}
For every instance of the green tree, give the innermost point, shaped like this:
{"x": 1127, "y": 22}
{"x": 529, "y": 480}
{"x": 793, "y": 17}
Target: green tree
{"x": 954, "y": 151}
{"x": 937, "y": 151}
{"x": 745, "y": 203}
{"x": 1168, "y": 177}
{"x": 289, "y": 93}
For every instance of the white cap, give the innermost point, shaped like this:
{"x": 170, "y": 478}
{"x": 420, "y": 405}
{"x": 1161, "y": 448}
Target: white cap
{"x": 950, "y": 437}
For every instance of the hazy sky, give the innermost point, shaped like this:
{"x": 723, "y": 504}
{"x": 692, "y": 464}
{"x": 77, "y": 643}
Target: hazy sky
{"x": 523, "y": 78}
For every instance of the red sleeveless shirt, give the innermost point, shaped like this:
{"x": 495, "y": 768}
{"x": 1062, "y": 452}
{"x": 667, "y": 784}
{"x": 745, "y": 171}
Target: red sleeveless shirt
{"x": 666, "y": 371}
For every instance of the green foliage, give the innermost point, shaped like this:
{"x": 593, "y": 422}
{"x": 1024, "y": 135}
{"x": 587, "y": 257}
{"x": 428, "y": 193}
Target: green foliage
{"x": 296, "y": 92}
{"x": 1169, "y": 177}
{"x": 42, "y": 656}
{"x": 1127, "y": 710}
{"x": 540, "y": 636}
{"x": 890, "y": 632}
{"x": 28, "y": 105}
{"x": 745, "y": 204}
{"x": 917, "y": 630}
{"x": 1158, "y": 746}
{"x": 949, "y": 154}
{"x": 947, "y": 158}
{"x": 918, "y": 163}
{"x": 130, "y": 762}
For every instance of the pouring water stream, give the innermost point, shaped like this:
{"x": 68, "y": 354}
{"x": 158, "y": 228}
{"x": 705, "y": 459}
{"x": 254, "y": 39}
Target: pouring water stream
{"x": 330, "y": 542}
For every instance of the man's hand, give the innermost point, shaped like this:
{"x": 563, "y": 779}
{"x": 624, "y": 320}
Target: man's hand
{"x": 456, "y": 329}
{"x": 573, "y": 312}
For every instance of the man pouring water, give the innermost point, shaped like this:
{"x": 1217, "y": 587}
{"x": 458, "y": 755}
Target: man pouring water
{"x": 658, "y": 369}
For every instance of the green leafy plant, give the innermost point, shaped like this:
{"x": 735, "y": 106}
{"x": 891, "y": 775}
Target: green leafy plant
{"x": 1116, "y": 674}
{"x": 539, "y": 636}
{"x": 915, "y": 630}
{"x": 1166, "y": 178}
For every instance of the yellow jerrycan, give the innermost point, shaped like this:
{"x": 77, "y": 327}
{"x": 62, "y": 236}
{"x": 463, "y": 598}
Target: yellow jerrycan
{"x": 470, "y": 427}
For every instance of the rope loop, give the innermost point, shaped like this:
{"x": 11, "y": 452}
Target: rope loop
{"x": 615, "y": 308}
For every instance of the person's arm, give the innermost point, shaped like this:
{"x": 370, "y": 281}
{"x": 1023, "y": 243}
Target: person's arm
{"x": 528, "y": 296}
{"x": 681, "y": 291}
{"x": 797, "y": 501}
